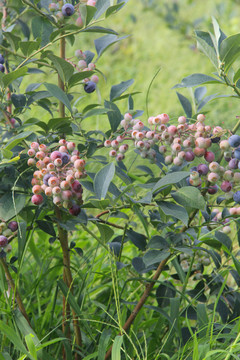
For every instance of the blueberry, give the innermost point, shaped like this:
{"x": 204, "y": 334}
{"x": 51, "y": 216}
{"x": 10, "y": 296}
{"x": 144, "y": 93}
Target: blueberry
{"x": 90, "y": 87}
{"x": 194, "y": 168}
{"x": 236, "y": 196}
{"x": 202, "y": 169}
{"x": 13, "y": 226}
{"x": 3, "y": 241}
{"x": 67, "y": 10}
{"x": 234, "y": 140}
{"x": 237, "y": 153}
{"x": 46, "y": 178}
{"x": 1, "y": 59}
{"x": 215, "y": 140}
{"x": 233, "y": 164}
{"x": 65, "y": 158}
{"x": 2, "y": 68}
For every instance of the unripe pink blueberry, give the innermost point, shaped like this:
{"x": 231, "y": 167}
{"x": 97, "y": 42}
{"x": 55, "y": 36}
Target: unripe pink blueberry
{"x": 226, "y": 186}
{"x": 36, "y": 189}
{"x": 217, "y": 129}
{"x": 172, "y": 129}
{"x": 58, "y": 162}
{"x": 64, "y": 185}
{"x": 3, "y": 241}
{"x": 199, "y": 151}
{"x": 123, "y": 148}
{"x": 177, "y": 161}
{"x": 115, "y": 144}
{"x": 63, "y": 149}
{"x": 46, "y": 160}
{"x": 91, "y": 66}
{"x": 209, "y": 156}
{"x": 95, "y": 78}
{"x": 34, "y": 181}
{"x": 194, "y": 175}
{"x": 236, "y": 177}
{"x": 187, "y": 143}
{"x": 31, "y": 162}
{"x": 175, "y": 148}
{"x": 70, "y": 179}
{"x": 226, "y": 229}
{"x": 214, "y": 166}
{"x": 57, "y": 201}
{"x": 40, "y": 164}
{"x": 168, "y": 159}
{"x": 138, "y": 126}
{"x": 62, "y": 142}
{"x": 224, "y": 145}
{"x": 228, "y": 175}
{"x": 48, "y": 191}
{"x": 50, "y": 166}
{"x": 55, "y": 155}
{"x": 120, "y": 157}
{"x": 76, "y": 152}
{"x": 164, "y": 118}
{"x": 40, "y": 155}
{"x": 162, "y": 149}
{"x": 156, "y": 120}
{"x": 127, "y": 117}
{"x": 139, "y": 135}
{"x": 82, "y": 64}
{"x": 112, "y": 153}
{"x": 37, "y": 199}
{"x": 74, "y": 158}
{"x": 79, "y": 164}
{"x": 56, "y": 190}
{"x": 150, "y": 134}
{"x": 107, "y": 143}
{"x": 182, "y": 120}
{"x": 213, "y": 177}
{"x": 91, "y": 2}
{"x": 79, "y": 174}
{"x": 34, "y": 145}
{"x": 43, "y": 147}
{"x": 53, "y": 181}
{"x": 201, "y": 117}
{"x": 31, "y": 152}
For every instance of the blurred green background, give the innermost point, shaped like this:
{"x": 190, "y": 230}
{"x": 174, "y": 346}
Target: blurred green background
{"x": 161, "y": 35}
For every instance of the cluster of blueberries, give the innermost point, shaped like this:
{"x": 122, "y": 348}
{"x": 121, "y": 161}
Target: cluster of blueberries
{"x": 57, "y": 175}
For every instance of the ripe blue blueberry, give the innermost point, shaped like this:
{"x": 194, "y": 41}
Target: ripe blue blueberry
{"x": 1, "y": 59}
{"x": 65, "y": 158}
{"x": 236, "y": 196}
{"x": 90, "y": 87}
{"x": 237, "y": 153}
{"x": 234, "y": 140}
{"x": 215, "y": 140}
{"x": 67, "y": 10}
{"x": 2, "y": 68}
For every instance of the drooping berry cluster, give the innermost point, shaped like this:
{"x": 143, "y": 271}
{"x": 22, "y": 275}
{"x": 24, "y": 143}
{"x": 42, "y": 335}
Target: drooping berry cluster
{"x": 89, "y": 83}
{"x": 57, "y": 175}
{"x": 183, "y": 144}
{"x": 6, "y": 230}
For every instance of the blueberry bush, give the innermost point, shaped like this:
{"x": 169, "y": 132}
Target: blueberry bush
{"x": 118, "y": 240}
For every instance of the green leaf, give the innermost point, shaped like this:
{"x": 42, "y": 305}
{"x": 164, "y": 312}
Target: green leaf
{"x": 28, "y": 47}
{"x": 10, "y": 208}
{"x": 102, "y": 43}
{"x": 117, "y": 90}
{"x": 69, "y": 297}
{"x": 102, "y": 180}
{"x": 190, "y": 196}
{"x": 114, "y": 8}
{"x": 99, "y": 29}
{"x": 31, "y": 346}
{"x": 12, "y": 39}
{"x": 174, "y": 210}
{"x": 114, "y": 115}
{"x": 94, "y": 112}
{"x": 59, "y": 94}
{"x": 197, "y": 79}
{"x": 236, "y": 76}
{"x": 91, "y": 10}
{"x": 101, "y": 6}
{"x": 206, "y": 45}
{"x": 8, "y": 78}
{"x": 229, "y": 50}
{"x": 139, "y": 240}
{"x": 171, "y": 178}
{"x": 116, "y": 349}
{"x": 17, "y": 139}
{"x": 219, "y": 35}
{"x": 13, "y": 337}
{"x": 155, "y": 256}
{"x": 63, "y": 67}
{"x": 105, "y": 231}
{"x": 202, "y": 319}
{"x": 75, "y": 78}
{"x": 18, "y": 100}
{"x": 103, "y": 343}
{"x": 187, "y": 107}
{"x": 236, "y": 264}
